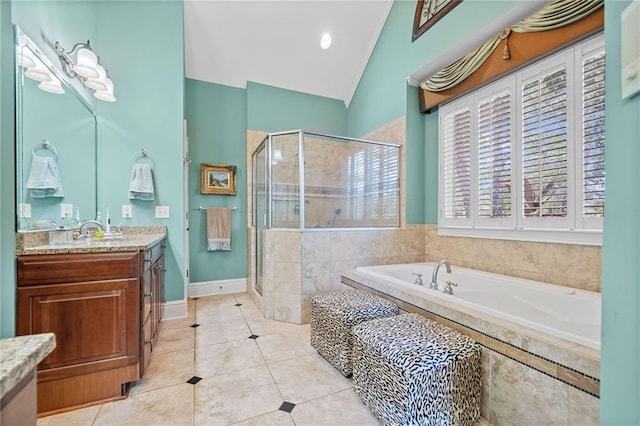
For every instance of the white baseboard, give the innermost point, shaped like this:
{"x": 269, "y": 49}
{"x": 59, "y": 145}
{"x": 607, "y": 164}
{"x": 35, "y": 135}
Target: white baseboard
{"x": 210, "y": 288}
{"x": 175, "y": 309}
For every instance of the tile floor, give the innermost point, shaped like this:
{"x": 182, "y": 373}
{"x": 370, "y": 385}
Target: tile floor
{"x": 227, "y": 365}
{"x": 253, "y": 372}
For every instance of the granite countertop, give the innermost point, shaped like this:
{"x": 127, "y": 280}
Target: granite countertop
{"x": 20, "y": 355}
{"x": 133, "y": 238}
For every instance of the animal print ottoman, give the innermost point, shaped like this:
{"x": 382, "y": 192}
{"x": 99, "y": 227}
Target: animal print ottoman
{"x": 409, "y": 370}
{"x": 332, "y": 316}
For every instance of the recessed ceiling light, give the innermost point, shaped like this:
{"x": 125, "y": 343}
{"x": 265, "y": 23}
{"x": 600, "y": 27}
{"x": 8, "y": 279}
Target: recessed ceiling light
{"x": 325, "y": 41}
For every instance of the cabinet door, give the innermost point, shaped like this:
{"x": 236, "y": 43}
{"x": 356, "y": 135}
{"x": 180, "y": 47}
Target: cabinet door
{"x": 89, "y": 320}
{"x": 158, "y": 294}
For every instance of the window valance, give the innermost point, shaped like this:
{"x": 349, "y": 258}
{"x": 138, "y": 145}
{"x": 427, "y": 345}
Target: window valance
{"x": 555, "y": 14}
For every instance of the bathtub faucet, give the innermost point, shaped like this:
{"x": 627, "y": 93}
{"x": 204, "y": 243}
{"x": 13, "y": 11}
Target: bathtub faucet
{"x": 447, "y": 287}
{"x": 434, "y": 277}
{"x": 418, "y": 280}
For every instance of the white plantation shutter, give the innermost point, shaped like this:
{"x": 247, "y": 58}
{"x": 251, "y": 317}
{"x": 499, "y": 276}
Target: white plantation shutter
{"x": 593, "y": 71}
{"x": 544, "y": 145}
{"x": 456, "y": 163}
{"x": 372, "y": 182}
{"x": 523, "y": 157}
{"x": 390, "y": 182}
{"x": 494, "y": 155}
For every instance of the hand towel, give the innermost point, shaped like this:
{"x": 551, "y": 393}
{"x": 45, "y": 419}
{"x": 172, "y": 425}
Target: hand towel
{"x": 219, "y": 229}
{"x": 141, "y": 182}
{"x": 44, "y": 178}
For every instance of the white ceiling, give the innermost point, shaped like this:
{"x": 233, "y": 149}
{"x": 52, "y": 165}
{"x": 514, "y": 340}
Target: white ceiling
{"x": 278, "y": 43}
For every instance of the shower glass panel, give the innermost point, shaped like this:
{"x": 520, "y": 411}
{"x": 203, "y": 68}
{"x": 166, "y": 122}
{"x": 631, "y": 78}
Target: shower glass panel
{"x": 316, "y": 181}
{"x": 260, "y": 207}
{"x": 285, "y": 180}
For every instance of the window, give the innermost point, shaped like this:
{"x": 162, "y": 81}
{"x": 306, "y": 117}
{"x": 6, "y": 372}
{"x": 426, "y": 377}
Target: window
{"x": 372, "y": 179}
{"x": 523, "y": 157}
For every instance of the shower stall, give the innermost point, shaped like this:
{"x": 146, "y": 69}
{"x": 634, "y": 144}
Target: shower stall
{"x": 305, "y": 183}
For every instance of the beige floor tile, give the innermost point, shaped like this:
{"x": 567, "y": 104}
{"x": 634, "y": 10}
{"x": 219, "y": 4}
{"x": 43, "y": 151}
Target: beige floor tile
{"x": 234, "y": 397}
{"x": 166, "y": 369}
{"x": 244, "y": 298}
{"x": 280, "y": 347}
{"x": 261, "y": 326}
{"x": 341, "y": 408}
{"x": 178, "y": 323}
{"x": 215, "y": 313}
{"x": 277, "y": 418}
{"x": 174, "y": 340}
{"x": 167, "y": 406}
{"x": 211, "y": 333}
{"x": 213, "y": 360}
{"x": 307, "y": 377}
{"x": 81, "y": 417}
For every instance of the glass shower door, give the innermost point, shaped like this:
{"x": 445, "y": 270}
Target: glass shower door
{"x": 260, "y": 202}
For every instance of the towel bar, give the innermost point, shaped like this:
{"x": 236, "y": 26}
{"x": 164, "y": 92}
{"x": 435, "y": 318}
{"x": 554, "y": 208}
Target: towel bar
{"x": 233, "y": 209}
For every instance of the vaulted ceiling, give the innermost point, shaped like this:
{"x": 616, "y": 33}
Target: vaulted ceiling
{"x": 278, "y": 43}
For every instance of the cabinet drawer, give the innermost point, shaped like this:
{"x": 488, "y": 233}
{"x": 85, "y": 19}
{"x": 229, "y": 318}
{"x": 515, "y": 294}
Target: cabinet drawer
{"x": 70, "y": 268}
{"x": 151, "y": 255}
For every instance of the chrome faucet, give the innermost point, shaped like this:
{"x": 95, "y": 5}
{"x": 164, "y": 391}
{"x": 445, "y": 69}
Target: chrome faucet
{"x": 434, "y": 276}
{"x": 89, "y": 222}
{"x": 447, "y": 287}
{"x": 418, "y": 280}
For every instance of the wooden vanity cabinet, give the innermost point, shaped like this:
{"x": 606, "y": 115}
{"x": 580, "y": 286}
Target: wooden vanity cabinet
{"x": 152, "y": 300}
{"x": 95, "y": 303}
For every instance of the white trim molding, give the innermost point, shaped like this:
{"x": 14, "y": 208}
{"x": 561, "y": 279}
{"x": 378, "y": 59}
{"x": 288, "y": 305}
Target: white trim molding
{"x": 175, "y": 309}
{"x": 210, "y": 288}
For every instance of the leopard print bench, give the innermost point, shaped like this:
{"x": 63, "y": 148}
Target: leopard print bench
{"x": 409, "y": 370}
{"x": 332, "y": 316}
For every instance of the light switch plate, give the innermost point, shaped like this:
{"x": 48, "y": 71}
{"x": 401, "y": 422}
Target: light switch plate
{"x": 24, "y": 210}
{"x": 162, "y": 212}
{"x": 66, "y": 211}
{"x": 127, "y": 211}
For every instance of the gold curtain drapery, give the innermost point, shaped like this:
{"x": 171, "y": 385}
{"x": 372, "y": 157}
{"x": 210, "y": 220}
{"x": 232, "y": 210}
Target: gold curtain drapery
{"x": 555, "y": 14}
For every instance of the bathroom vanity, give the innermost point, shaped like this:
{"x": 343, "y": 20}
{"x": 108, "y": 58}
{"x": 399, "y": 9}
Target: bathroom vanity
{"x": 103, "y": 300}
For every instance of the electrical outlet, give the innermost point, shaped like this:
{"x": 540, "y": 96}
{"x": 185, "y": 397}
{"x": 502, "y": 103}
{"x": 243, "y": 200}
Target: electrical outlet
{"x": 25, "y": 210}
{"x": 162, "y": 212}
{"x": 66, "y": 211}
{"x": 127, "y": 211}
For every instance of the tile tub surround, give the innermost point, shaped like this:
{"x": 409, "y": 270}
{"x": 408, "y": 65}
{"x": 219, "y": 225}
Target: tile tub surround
{"x": 569, "y": 265}
{"x": 20, "y": 356}
{"x": 534, "y": 359}
{"x": 300, "y": 264}
{"x": 133, "y": 238}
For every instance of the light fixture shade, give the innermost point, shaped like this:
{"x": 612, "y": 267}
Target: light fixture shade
{"x": 38, "y": 73}
{"x": 99, "y": 83}
{"x": 106, "y": 95}
{"x": 53, "y": 86}
{"x": 86, "y": 62}
{"x": 25, "y": 57}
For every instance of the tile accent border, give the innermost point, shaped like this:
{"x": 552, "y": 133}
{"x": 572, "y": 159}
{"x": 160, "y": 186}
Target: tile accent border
{"x": 567, "y": 375}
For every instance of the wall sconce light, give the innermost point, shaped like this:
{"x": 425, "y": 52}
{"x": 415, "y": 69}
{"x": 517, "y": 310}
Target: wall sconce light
{"x": 82, "y": 62}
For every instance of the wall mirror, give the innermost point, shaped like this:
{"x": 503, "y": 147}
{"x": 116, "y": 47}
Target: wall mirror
{"x": 56, "y": 144}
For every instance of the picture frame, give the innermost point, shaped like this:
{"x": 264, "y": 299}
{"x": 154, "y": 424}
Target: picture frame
{"x": 217, "y": 179}
{"x": 428, "y": 12}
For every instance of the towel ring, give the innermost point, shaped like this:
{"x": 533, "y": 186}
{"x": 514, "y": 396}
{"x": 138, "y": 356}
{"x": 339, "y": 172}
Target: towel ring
{"x": 142, "y": 155}
{"x": 46, "y": 145}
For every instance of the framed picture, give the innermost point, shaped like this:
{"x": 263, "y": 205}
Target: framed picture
{"x": 217, "y": 179}
{"x": 428, "y": 12}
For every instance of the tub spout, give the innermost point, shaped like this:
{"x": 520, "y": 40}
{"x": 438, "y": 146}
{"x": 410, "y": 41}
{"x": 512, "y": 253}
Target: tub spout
{"x": 434, "y": 277}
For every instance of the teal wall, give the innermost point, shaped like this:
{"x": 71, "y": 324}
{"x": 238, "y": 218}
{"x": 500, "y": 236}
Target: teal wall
{"x": 7, "y": 176}
{"x": 620, "y": 363}
{"x": 149, "y": 88}
{"x": 217, "y": 124}
{"x": 383, "y": 95}
{"x": 271, "y": 109}
{"x": 144, "y": 58}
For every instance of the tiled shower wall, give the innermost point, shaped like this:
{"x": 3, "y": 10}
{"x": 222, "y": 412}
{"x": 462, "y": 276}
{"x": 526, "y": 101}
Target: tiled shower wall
{"x": 301, "y": 264}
